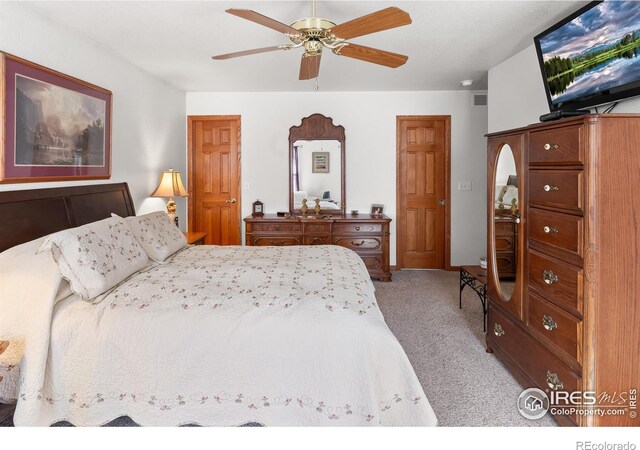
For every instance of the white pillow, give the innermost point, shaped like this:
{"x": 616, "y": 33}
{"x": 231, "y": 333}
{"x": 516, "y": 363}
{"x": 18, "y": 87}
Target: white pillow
{"x": 97, "y": 256}
{"x": 157, "y": 234}
{"x": 298, "y": 196}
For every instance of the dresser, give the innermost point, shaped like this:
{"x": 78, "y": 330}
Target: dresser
{"x": 506, "y": 232}
{"x": 573, "y": 323}
{"x": 365, "y": 234}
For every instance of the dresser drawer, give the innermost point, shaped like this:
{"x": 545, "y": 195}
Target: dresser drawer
{"x": 505, "y": 243}
{"x": 506, "y": 264}
{"x": 542, "y": 367}
{"x": 276, "y": 240}
{"x": 372, "y": 262}
{"x": 504, "y": 228}
{"x": 317, "y": 228}
{"x": 358, "y": 243}
{"x": 361, "y": 228}
{"x": 557, "y": 326}
{"x": 559, "y": 188}
{"x": 562, "y": 231}
{"x": 277, "y": 227}
{"x": 317, "y": 240}
{"x": 556, "y": 280}
{"x": 557, "y": 146}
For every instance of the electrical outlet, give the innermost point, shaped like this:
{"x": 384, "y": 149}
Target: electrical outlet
{"x": 464, "y": 185}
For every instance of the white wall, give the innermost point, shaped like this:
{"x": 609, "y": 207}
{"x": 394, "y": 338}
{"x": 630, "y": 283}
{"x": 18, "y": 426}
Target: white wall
{"x": 148, "y": 122}
{"x": 516, "y": 93}
{"x": 369, "y": 119}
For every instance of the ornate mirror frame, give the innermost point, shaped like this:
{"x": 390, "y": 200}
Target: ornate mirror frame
{"x": 313, "y": 128}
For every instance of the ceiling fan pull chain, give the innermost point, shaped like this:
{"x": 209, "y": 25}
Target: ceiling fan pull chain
{"x": 317, "y": 87}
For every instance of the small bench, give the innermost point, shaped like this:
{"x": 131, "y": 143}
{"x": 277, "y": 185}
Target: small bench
{"x": 476, "y": 278}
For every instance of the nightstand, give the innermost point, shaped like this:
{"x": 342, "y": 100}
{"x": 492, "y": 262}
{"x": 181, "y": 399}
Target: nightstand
{"x": 10, "y": 356}
{"x": 195, "y": 237}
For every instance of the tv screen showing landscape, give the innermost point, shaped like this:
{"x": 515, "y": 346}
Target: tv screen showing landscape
{"x": 594, "y": 57}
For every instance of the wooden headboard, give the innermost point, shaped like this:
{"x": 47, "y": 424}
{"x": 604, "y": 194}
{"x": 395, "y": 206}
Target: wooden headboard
{"x": 30, "y": 214}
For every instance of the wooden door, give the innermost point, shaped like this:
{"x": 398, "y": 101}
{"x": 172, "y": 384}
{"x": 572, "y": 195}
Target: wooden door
{"x": 422, "y": 191}
{"x": 214, "y": 178}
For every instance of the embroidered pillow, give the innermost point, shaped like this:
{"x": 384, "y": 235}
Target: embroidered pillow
{"x": 157, "y": 234}
{"x": 97, "y": 256}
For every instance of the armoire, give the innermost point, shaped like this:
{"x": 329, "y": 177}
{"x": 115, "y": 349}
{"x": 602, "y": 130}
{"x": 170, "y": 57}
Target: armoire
{"x": 569, "y": 321}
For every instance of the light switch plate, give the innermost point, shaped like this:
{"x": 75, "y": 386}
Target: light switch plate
{"x": 464, "y": 185}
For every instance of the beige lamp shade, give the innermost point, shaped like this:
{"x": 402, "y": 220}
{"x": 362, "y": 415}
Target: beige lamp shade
{"x": 170, "y": 186}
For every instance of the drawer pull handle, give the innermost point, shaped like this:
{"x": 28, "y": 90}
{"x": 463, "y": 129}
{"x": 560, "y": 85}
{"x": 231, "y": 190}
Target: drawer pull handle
{"x": 548, "y": 323}
{"x": 357, "y": 244}
{"x": 497, "y": 330}
{"x": 277, "y": 227}
{"x": 357, "y": 228}
{"x": 553, "y": 381}
{"x": 549, "y": 188}
{"x": 551, "y": 146}
{"x": 550, "y": 230}
{"x": 549, "y": 277}
{"x": 277, "y": 243}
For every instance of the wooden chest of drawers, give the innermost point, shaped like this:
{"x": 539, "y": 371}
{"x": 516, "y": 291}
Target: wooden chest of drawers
{"x": 367, "y": 235}
{"x": 578, "y": 328}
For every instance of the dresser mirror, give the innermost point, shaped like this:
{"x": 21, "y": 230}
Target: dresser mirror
{"x": 506, "y": 218}
{"x": 316, "y": 166}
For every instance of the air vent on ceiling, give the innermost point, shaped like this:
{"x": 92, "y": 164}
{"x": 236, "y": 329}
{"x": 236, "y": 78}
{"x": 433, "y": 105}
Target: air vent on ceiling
{"x": 480, "y": 100}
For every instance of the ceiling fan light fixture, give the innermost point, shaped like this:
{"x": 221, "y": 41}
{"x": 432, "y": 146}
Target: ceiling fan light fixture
{"x": 314, "y": 33}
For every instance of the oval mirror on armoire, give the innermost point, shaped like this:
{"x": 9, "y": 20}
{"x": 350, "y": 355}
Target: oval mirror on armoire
{"x": 504, "y": 204}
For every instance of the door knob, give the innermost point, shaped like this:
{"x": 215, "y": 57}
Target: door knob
{"x": 233, "y": 200}
{"x": 442, "y": 202}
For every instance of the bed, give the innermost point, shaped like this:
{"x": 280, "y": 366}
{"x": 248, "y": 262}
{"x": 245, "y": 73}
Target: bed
{"x": 217, "y": 336}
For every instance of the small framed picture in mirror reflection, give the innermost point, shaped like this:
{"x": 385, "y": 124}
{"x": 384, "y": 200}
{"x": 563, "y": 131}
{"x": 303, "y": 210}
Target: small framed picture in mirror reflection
{"x": 320, "y": 162}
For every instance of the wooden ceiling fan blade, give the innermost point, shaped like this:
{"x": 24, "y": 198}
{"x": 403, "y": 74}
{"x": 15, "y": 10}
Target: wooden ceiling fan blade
{"x": 263, "y": 20}
{"x": 251, "y": 52}
{"x": 372, "y": 23}
{"x": 310, "y": 66}
{"x": 372, "y": 55}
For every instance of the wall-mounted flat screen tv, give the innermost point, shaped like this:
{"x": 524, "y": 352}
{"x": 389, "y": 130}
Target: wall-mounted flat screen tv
{"x": 592, "y": 57}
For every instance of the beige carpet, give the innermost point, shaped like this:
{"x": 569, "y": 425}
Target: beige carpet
{"x": 465, "y": 385}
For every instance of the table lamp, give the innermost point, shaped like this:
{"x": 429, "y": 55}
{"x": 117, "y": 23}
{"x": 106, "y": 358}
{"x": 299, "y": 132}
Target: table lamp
{"x": 170, "y": 186}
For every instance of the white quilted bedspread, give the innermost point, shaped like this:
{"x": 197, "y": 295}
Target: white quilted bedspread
{"x": 282, "y": 336}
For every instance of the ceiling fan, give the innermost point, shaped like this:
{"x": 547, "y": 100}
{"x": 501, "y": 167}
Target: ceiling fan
{"x": 314, "y": 34}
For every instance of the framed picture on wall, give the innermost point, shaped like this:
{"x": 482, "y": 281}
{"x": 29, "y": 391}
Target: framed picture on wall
{"x": 55, "y": 127}
{"x": 320, "y": 162}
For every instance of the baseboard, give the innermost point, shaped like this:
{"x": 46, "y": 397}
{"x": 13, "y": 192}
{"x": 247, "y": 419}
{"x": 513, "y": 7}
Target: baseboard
{"x": 448, "y": 268}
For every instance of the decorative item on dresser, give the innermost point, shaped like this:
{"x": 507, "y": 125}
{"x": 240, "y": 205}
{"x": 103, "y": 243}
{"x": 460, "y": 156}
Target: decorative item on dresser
{"x": 367, "y": 235}
{"x": 257, "y": 209}
{"x": 571, "y": 323}
{"x": 195, "y": 237}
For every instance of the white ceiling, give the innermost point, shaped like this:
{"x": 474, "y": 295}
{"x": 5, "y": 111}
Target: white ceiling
{"x": 447, "y": 42}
